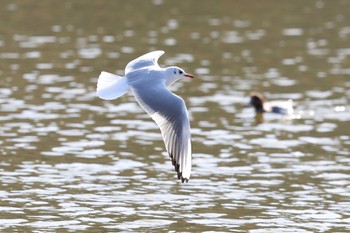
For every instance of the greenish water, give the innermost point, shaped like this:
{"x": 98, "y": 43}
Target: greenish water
{"x": 72, "y": 162}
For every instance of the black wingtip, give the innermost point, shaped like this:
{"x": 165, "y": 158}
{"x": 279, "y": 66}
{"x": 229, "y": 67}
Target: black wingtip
{"x": 180, "y": 177}
{"x": 177, "y": 169}
{"x": 183, "y": 180}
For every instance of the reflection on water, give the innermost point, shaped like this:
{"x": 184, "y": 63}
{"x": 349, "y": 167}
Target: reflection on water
{"x": 72, "y": 162}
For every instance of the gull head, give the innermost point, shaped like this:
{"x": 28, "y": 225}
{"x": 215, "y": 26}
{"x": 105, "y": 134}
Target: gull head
{"x": 174, "y": 73}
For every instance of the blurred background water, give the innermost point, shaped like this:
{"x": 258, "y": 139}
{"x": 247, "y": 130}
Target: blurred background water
{"x": 72, "y": 162}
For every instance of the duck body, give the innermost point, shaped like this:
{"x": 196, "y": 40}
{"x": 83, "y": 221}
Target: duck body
{"x": 277, "y": 107}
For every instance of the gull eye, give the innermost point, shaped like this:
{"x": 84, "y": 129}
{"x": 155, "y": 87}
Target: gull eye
{"x": 174, "y": 71}
{"x": 180, "y": 72}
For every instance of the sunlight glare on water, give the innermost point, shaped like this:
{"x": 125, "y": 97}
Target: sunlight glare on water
{"x": 72, "y": 162}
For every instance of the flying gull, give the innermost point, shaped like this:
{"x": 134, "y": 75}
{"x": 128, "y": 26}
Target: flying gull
{"x": 148, "y": 82}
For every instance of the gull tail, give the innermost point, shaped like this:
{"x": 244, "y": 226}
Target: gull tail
{"x": 111, "y": 86}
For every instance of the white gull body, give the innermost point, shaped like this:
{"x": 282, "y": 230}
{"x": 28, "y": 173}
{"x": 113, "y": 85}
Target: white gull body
{"x": 148, "y": 83}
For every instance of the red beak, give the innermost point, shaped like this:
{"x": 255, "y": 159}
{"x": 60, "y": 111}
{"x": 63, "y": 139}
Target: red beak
{"x": 189, "y": 76}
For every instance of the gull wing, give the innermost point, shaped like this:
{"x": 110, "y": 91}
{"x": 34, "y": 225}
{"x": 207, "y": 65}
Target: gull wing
{"x": 146, "y": 60}
{"x": 111, "y": 86}
{"x": 169, "y": 112}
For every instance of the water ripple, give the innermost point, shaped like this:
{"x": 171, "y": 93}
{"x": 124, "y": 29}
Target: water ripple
{"x": 73, "y": 162}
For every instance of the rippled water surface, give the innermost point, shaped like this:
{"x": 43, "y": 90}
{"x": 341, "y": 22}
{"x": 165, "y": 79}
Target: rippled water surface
{"x": 72, "y": 162}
